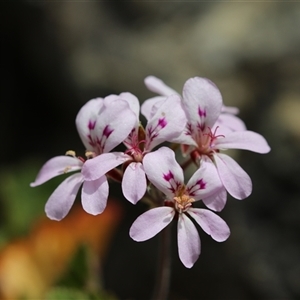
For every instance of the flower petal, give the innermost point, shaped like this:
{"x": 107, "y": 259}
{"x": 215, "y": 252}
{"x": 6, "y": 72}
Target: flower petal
{"x": 189, "y": 246}
{"x": 86, "y": 120}
{"x": 109, "y": 99}
{"x": 114, "y": 124}
{"x": 217, "y": 200}
{"x": 230, "y": 110}
{"x": 151, "y": 223}
{"x": 202, "y": 102}
{"x": 211, "y": 223}
{"x": 186, "y": 140}
{"x": 94, "y": 195}
{"x": 150, "y": 106}
{"x": 131, "y": 99}
{"x": 205, "y": 181}
{"x": 134, "y": 182}
{"x": 156, "y": 85}
{"x": 232, "y": 122}
{"x": 56, "y": 166}
{"x": 166, "y": 124}
{"x": 163, "y": 170}
{"x": 236, "y": 181}
{"x": 62, "y": 199}
{"x": 119, "y": 118}
{"x": 97, "y": 167}
{"x": 133, "y": 102}
{"x": 247, "y": 140}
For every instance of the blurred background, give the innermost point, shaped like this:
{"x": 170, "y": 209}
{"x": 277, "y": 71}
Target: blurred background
{"x": 56, "y": 55}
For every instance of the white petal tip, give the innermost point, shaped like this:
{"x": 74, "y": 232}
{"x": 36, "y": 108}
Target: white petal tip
{"x": 133, "y": 201}
{"x": 267, "y": 150}
{"x": 54, "y": 218}
{"x": 221, "y": 236}
{"x": 188, "y": 266}
{"x": 132, "y": 235}
{"x": 221, "y": 240}
{"x": 94, "y": 213}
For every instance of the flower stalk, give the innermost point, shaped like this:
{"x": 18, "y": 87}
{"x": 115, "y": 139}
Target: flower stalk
{"x": 163, "y": 277}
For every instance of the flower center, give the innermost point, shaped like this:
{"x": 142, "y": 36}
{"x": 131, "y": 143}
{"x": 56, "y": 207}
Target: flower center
{"x": 182, "y": 203}
{"x": 136, "y": 145}
{"x": 206, "y": 141}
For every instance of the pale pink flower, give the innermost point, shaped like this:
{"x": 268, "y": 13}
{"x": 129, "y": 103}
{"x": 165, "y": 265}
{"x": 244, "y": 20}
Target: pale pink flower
{"x": 227, "y": 118}
{"x": 102, "y": 125}
{"x": 164, "y": 125}
{"x": 166, "y": 175}
{"x": 202, "y": 103}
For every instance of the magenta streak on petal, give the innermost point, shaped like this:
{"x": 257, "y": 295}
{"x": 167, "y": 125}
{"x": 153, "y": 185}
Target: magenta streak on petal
{"x": 99, "y": 143}
{"x": 91, "y": 141}
{"x": 199, "y": 185}
{"x": 188, "y": 129}
{"x": 168, "y": 176}
{"x": 201, "y": 126}
{"x": 96, "y": 142}
{"x": 201, "y": 113}
{"x": 162, "y": 122}
{"x": 173, "y": 184}
{"x": 131, "y": 139}
{"x": 91, "y": 125}
{"x": 107, "y": 131}
{"x": 153, "y": 132}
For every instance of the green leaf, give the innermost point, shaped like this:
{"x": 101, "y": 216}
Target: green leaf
{"x": 21, "y": 204}
{"x": 77, "y": 270}
{"x": 66, "y": 294}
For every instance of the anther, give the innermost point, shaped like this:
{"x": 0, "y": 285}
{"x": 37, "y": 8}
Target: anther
{"x": 183, "y": 202}
{"x": 71, "y": 153}
{"x": 89, "y": 154}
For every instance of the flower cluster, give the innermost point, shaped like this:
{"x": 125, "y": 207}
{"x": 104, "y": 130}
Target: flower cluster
{"x": 197, "y": 121}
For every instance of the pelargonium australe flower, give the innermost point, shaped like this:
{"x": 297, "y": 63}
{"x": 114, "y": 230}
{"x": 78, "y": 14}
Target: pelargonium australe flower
{"x": 102, "y": 124}
{"x": 202, "y": 102}
{"x": 166, "y": 175}
{"x": 227, "y": 117}
{"x": 164, "y": 125}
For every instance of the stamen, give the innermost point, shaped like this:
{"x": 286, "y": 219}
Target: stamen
{"x": 71, "y": 153}
{"x": 90, "y": 154}
{"x": 213, "y": 135}
{"x": 135, "y": 149}
{"x": 206, "y": 141}
{"x": 182, "y": 203}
